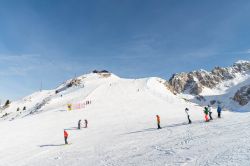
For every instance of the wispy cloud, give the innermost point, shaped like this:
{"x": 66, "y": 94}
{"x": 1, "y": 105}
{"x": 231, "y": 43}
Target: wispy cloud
{"x": 11, "y": 57}
{"x": 139, "y": 47}
{"x": 16, "y": 71}
{"x": 17, "y": 65}
{"x": 243, "y": 52}
{"x": 246, "y": 51}
{"x": 25, "y": 64}
{"x": 209, "y": 53}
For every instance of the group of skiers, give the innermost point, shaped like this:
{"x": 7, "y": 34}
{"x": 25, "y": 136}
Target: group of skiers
{"x": 65, "y": 133}
{"x": 207, "y": 111}
{"x": 88, "y": 102}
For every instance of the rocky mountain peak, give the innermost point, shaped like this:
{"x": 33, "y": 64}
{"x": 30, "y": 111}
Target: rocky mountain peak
{"x": 193, "y": 82}
{"x": 242, "y": 96}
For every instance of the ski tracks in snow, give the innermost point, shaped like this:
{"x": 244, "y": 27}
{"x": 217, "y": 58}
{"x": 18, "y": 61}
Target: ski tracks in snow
{"x": 205, "y": 144}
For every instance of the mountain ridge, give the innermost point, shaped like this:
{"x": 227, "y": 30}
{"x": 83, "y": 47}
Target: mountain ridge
{"x": 228, "y": 86}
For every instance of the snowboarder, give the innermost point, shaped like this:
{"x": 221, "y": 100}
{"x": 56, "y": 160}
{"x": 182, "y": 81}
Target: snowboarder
{"x": 188, "y": 116}
{"x": 210, "y": 112}
{"x": 206, "y": 114}
{"x": 158, "y": 121}
{"x": 79, "y": 124}
{"x": 86, "y": 123}
{"x": 219, "y": 111}
{"x": 65, "y": 136}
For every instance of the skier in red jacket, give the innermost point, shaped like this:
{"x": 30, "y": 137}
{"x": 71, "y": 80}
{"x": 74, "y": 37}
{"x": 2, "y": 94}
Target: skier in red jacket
{"x": 158, "y": 121}
{"x": 65, "y": 136}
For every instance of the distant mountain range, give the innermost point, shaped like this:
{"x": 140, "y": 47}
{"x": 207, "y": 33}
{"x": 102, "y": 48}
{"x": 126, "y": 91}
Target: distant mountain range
{"x": 226, "y": 86}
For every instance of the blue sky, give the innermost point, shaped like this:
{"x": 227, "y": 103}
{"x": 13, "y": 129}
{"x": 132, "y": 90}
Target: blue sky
{"x": 52, "y": 40}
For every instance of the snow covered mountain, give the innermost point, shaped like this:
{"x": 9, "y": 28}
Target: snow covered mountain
{"x": 227, "y": 86}
{"x": 121, "y": 114}
{"x": 95, "y": 87}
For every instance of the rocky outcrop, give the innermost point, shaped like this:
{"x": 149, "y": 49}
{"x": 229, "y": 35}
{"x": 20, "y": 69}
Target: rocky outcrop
{"x": 242, "y": 96}
{"x": 193, "y": 82}
{"x": 73, "y": 82}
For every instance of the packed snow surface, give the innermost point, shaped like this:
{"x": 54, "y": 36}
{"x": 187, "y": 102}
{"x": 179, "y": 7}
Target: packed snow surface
{"x": 122, "y": 128}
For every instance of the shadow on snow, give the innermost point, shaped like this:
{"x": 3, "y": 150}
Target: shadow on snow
{"x": 48, "y": 145}
{"x": 167, "y": 126}
{"x": 72, "y": 128}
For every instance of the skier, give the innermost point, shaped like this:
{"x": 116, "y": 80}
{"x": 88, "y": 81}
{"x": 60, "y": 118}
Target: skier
{"x": 219, "y": 111}
{"x": 158, "y": 121}
{"x": 210, "y": 112}
{"x": 79, "y": 124}
{"x": 86, "y": 123}
{"x": 65, "y": 136}
{"x": 188, "y": 116}
{"x": 206, "y": 114}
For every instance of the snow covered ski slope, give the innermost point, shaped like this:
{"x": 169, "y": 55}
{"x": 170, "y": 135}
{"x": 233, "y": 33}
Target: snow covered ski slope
{"x": 122, "y": 127}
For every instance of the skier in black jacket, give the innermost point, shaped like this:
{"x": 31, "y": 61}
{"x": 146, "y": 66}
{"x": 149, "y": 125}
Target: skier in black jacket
{"x": 188, "y": 116}
{"x": 79, "y": 124}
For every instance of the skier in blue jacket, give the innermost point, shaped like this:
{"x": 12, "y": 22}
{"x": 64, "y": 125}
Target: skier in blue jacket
{"x": 219, "y": 111}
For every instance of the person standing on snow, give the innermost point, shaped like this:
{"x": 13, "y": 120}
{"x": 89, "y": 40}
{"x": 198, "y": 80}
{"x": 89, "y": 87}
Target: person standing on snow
{"x": 158, "y": 121}
{"x": 79, "y": 124}
{"x": 65, "y": 136}
{"x": 86, "y": 123}
{"x": 206, "y": 114}
{"x": 210, "y": 112}
{"x": 219, "y": 111}
{"x": 188, "y": 116}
